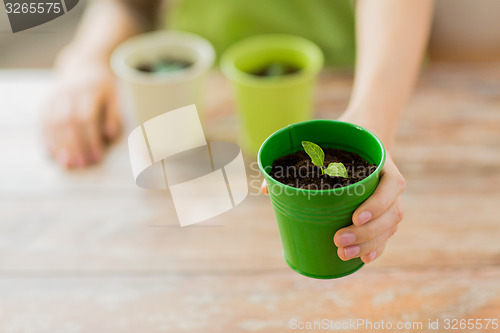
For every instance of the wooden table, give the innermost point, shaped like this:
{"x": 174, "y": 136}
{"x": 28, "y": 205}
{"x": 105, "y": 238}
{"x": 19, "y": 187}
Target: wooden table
{"x": 88, "y": 251}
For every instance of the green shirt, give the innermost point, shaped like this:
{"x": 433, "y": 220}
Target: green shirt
{"x": 328, "y": 23}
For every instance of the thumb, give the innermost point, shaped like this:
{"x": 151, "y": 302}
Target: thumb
{"x": 112, "y": 119}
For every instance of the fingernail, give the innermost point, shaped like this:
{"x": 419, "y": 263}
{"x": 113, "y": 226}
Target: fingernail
{"x": 369, "y": 257}
{"x": 263, "y": 188}
{"x": 351, "y": 251}
{"x": 364, "y": 217}
{"x": 96, "y": 156}
{"x": 347, "y": 238}
{"x": 80, "y": 161}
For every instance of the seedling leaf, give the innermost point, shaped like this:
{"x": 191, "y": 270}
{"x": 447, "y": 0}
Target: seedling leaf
{"x": 336, "y": 170}
{"x": 315, "y": 153}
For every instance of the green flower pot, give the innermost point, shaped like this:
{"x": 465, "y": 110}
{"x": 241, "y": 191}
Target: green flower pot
{"x": 308, "y": 219}
{"x": 267, "y": 104}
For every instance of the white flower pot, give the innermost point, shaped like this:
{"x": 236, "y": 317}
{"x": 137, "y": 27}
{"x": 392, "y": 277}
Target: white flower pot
{"x": 151, "y": 94}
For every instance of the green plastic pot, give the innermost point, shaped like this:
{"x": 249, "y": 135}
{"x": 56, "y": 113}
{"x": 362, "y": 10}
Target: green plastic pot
{"x": 308, "y": 219}
{"x": 267, "y": 104}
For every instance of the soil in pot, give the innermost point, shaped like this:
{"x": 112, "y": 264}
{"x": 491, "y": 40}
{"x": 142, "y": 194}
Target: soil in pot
{"x": 164, "y": 66}
{"x": 275, "y": 69}
{"x": 297, "y": 170}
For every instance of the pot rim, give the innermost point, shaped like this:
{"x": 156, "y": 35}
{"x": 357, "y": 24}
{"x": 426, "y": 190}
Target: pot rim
{"x": 374, "y": 174}
{"x": 271, "y": 42}
{"x": 159, "y": 40}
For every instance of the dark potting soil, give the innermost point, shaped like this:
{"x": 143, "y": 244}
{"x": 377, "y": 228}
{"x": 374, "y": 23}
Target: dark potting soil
{"x": 164, "y": 66}
{"x": 275, "y": 69}
{"x": 297, "y": 170}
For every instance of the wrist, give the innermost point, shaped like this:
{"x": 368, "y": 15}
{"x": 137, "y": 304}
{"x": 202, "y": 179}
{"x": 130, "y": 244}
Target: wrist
{"x": 379, "y": 123}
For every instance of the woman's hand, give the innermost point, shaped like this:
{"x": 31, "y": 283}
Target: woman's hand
{"x": 81, "y": 116}
{"x": 376, "y": 220}
{"x": 387, "y": 64}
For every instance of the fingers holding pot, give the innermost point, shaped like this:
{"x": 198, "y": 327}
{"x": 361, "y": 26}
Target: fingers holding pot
{"x": 359, "y": 241}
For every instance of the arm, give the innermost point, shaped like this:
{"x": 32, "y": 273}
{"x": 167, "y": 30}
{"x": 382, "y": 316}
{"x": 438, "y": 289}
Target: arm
{"x": 105, "y": 25}
{"x": 81, "y": 115}
{"x": 391, "y": 38}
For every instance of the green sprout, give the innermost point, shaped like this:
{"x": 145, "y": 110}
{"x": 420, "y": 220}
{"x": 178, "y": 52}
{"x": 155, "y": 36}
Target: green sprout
{"x": 317, "y": 156}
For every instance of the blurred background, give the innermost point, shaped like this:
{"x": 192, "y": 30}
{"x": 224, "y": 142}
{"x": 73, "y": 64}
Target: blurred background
{"x": 87, "y": 251}
{"x": 463, "y": 30}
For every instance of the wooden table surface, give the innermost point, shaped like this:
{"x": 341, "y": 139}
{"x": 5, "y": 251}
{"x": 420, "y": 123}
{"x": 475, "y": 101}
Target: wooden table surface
{"x": 88, "y": 251}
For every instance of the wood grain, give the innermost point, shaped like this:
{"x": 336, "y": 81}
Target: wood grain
{"x": 88, "y": 251}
